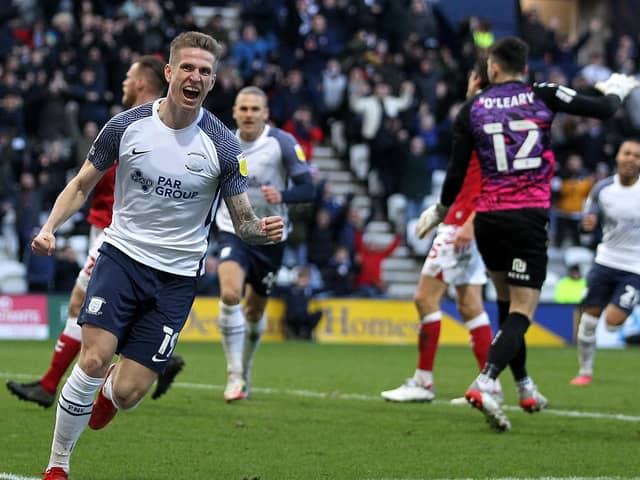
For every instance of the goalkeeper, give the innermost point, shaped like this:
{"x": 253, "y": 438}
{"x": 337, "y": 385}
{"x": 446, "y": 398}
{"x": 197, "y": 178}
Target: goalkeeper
{"x": 508, "y": 125}
{"x": 453, "y": 259}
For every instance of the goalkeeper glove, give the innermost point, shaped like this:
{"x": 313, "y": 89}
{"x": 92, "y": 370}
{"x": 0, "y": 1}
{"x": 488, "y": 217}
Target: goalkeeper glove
{"x": 618, "y": 84}
{"x": 431, "y": 217}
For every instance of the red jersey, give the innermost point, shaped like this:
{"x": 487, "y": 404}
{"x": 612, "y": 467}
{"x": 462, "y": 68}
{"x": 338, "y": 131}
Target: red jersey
{"x": 102, "y": 203}
{"x": 465, "y": 203}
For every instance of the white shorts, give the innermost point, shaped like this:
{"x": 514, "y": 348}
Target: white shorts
{"x": 96, "y": 237}
{"x": 465, "y": 268}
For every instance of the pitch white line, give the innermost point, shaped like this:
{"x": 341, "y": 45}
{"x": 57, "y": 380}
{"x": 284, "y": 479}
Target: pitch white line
{"x": 514, "y": 478}
{"x": 376, "y": 398}
{"x": 11, "y": 476}
{"x": 372, "y": 398}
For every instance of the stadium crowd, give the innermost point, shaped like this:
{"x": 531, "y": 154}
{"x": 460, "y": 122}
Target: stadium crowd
{"x": 391, "y": 72}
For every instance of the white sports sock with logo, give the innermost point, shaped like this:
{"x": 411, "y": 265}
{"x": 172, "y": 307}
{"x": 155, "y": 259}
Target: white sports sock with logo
{"x": 75, "y": 405}
{"x": 587, "y": 343}
{"x": 232, "y": 328}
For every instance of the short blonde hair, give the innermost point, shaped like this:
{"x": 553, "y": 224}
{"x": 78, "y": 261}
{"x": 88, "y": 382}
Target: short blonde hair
{"x": 195, "y": 40}
{"x": 253, "y": 90}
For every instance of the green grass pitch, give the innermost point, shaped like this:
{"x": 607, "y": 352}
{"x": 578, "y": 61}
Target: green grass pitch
{"x": 315, "y": 413}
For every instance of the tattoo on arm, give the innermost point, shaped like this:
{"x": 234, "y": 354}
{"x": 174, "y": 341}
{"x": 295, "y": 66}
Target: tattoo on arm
{"x": 245, "y": 222}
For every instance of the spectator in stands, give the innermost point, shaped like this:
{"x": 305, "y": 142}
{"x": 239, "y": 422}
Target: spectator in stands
{"x": 565, "y": 53}
{"x": 374, "y": 108}
{"x": 215, "y": 28}
{"x": 321, "y": 239}
{"x": 250, "y": 53}
{"x": 299, "y": 320}
{"x": 415, "y": 182}
{"x": 220, "y": 101}
{"x": 572, "y": 187}
{"x": 91, "y": 97}
{"x": 316, "y": 48}
{"x": 596, "y": 70}
{"x": 66, "y": 270}
{"x": 595, "y": 45}
{"x": 593, "y": 143}
{"x": 334, "y": 88}
{"x": 82, "y": 137}
{"x": 12, "y": 112}
{"x": 304, "y": 129}
{"x": 288, "y": 97}
{"x": 339, "y": 274}
{"x": 570, "y": 288}
{"x": 28, "y": 208}
{"x": 538, "y": 37}
{"x": 300, "y": 217}
{"x": 369, "y": 257}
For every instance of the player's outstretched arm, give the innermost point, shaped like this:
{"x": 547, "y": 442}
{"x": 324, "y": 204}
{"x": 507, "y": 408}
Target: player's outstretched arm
{"x": 563, "y": 99}
{"x": 250, "y": 228}
{"x": 68, "y": 202}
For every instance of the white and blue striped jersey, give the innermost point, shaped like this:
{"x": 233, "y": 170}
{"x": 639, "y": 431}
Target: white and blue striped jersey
{"x": 272, "y": 159}
{"x": 168, "y": 183}
{"x": 618, "y": 209}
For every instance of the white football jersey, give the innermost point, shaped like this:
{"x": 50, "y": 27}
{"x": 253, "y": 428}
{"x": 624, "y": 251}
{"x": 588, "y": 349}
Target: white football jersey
{"x": 168, "y": 183}
{"x": 618, "y": 210}
{"x": 272, "y": 159}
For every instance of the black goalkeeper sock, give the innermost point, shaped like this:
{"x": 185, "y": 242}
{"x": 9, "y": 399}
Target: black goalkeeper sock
{"x": 506, "y": 344}
{"x": 519, "y": 362}
{"x": 517, "y": 365}
{"x": 503, "y": 311}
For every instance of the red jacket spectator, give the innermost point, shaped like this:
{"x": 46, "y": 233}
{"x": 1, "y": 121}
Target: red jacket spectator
{"x": 305, "y": 131}
{"x": 369, "y": 255}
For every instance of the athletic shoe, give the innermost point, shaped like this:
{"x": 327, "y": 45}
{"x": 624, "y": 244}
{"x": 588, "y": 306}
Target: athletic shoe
{"x": 174, "y": 366}
{"x": 55, "y": 473}
{"x": 531, "y": 400}
{"x": 32, "y": 392}
{"x": 498, "y": 395}
{"x": 410, "y": 391}
{"x": 488, "y": 404}
{"x": 234, "y": 389}
{"x": 582, "y": 380}
{"x": 103, "y": 409}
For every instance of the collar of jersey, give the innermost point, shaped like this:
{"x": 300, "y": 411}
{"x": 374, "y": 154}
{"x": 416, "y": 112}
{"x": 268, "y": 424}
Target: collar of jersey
{"x": 264, "y": 133}
{"x": 174, "y": 131}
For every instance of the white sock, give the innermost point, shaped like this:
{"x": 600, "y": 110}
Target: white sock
{"x": 72, "y": 329}
{"x": 479, "y": 321}
{"x": 485, "y": 383}
{"x": 525, "y": 384}
{"x": 612, "y": 328}
{"x": 587, "y": 343}
{"x": 232, "y": 328}
{"x": 423, "y": 378}
{"x": 432, "y": 317}
{"x": 497, "y": 386}
{"x": 75, "y": 405}
{"x": 251, "y": 342}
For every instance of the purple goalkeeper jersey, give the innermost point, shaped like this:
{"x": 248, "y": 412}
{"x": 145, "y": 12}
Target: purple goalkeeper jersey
{"x": 511, "y": 129}
{"x": 509, "y": 125}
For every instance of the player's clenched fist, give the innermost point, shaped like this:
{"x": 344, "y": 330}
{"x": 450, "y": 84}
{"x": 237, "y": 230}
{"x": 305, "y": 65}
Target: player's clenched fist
{"x": 44, "y": 243}
{"x": 273, "y": 227}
